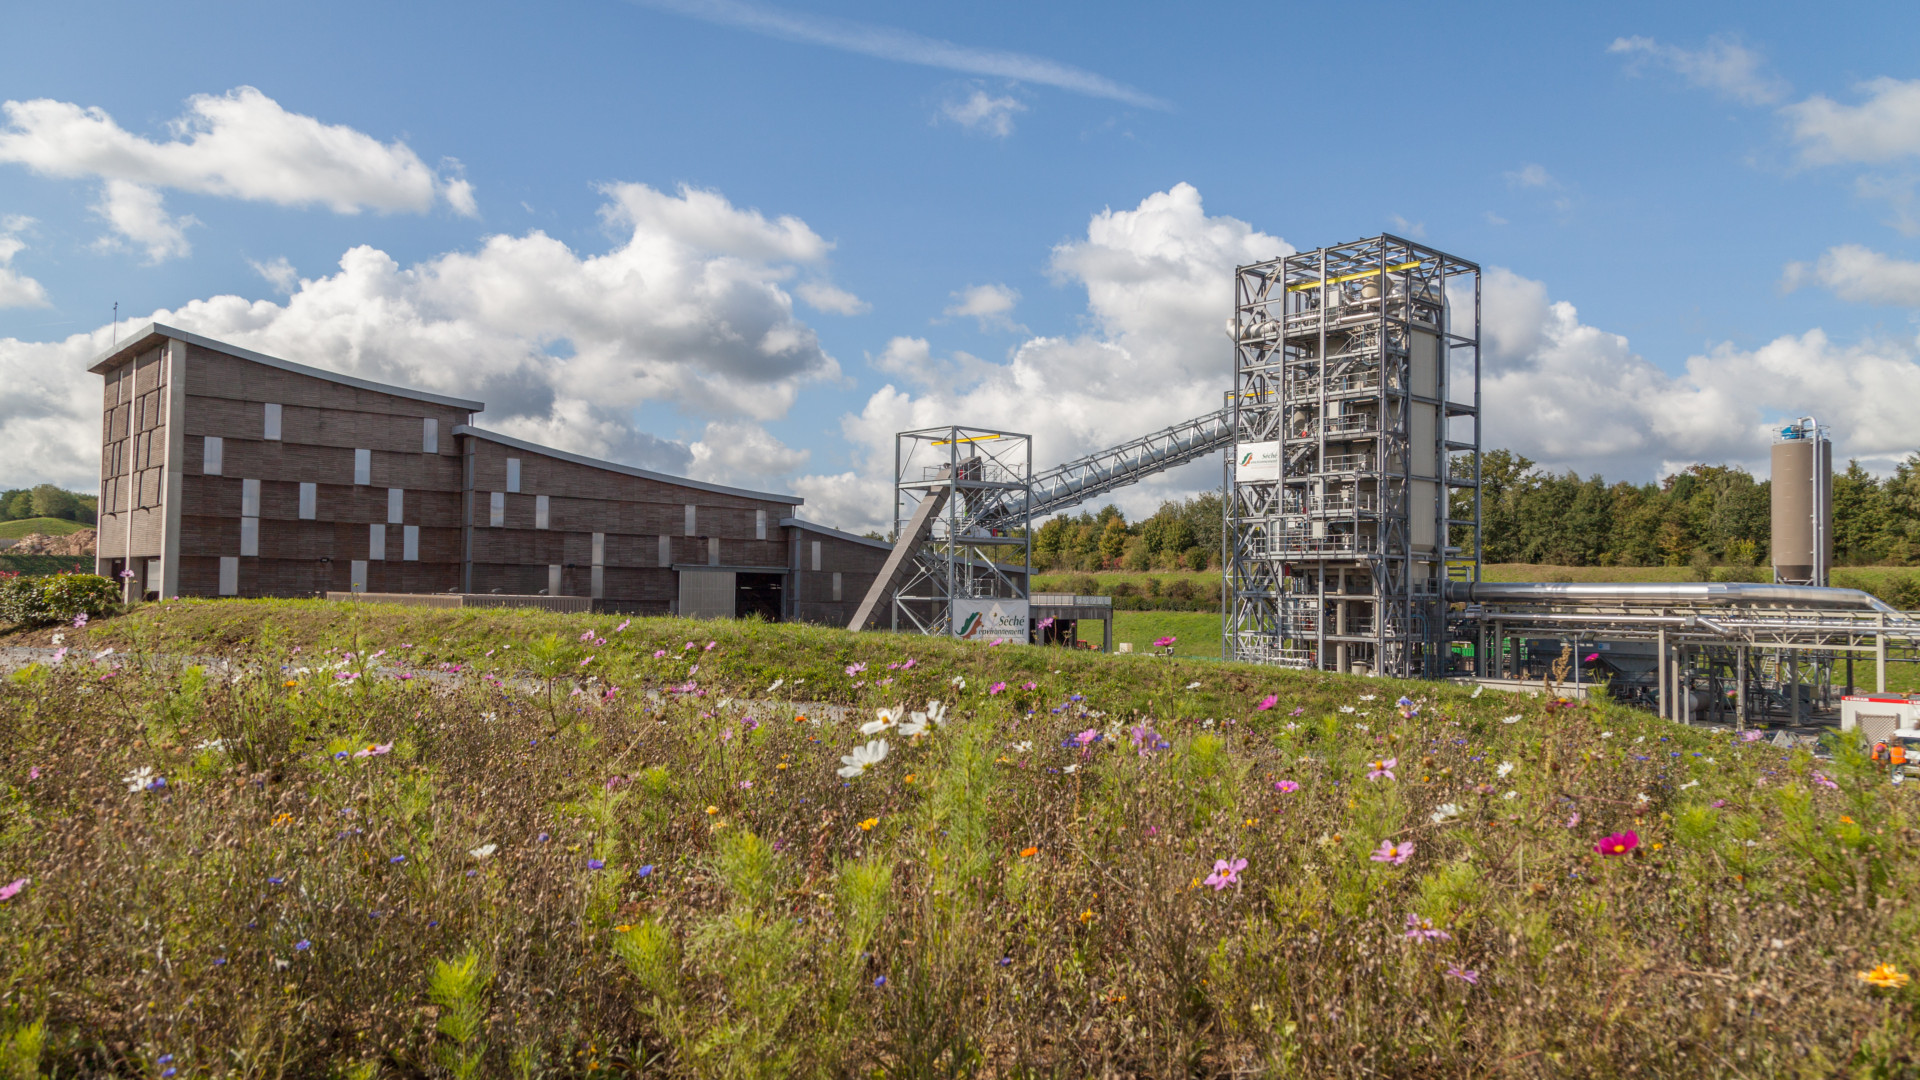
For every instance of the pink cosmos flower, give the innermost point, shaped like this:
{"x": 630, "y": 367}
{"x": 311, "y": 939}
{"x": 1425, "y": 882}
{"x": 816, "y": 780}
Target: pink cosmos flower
{"x": 623, "y": 626}
{"x": 1751, "y": 736}
{"x": 855, "y": 669}
{"x": 1423, "y": 930}
{"x": 1029, "y": 686}
{"x": 1591, "y": 657}
{"x": 657, "y": 653}
{"x": 1268, "y": 702}
{"x": 12, "y": 888}
{"x": 374, "y": 750}
{"x": 687, "y": 646}
{"x": 1165, "y": 642}
{"x": 1046, "y": 622}
{"x": 1574, "y": 821}
{"x": 710, "y": 646}
{"x": 588, "y": 636}
{"x": 1086, "y": 738}
{"x": 1286, "y": 786}
{"x": 33, "y": 773}
{"x": 1382, "y": 767}
{"x": 1618, "y": 844}
{"x": 1225, "y": 873}
{"x": 908, "y": 666}
{"x": 1821, "y": 779}
{"x": 996, "y": 688}
{"x": 1298, "y": 711}
{"x": 1390, "y": 852}
{"x": 1465, "y": 975}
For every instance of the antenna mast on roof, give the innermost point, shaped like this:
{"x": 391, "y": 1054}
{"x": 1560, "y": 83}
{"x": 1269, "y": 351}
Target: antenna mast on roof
{"x": 116, "y": 325}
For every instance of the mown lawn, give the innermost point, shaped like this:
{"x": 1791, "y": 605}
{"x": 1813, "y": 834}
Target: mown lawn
{"x": 45, "y": 526}
{"x": 625, "y": 847}
{"x": 1196, "y": 633}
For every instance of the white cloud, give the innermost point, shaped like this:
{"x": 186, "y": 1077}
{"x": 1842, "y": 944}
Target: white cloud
{"x": 1158, "y": 279}
{"x": 1861, "y": 275}
{"x": 240, "y": 145}
{"x": 1885, "y": 127}
{"x": 1415, "y": 230}
{"x": 830, "y": 298}
{"x": 1531, "y": 176}
{"x": 905, "y": 47}
{"x": 984, "y": 113}
{"x": 279, "y": 273}
{"x": 135, "y": 214}
{"x": 17, "y": 289}
{"x": 743, "y": 452}
{"x": 1725, "y": 66}
{"x": 989, "y": 305}
{"x": 1573, "y": 396}
{"x": 687, "y": 310}
{"x": 1493, "y": 218}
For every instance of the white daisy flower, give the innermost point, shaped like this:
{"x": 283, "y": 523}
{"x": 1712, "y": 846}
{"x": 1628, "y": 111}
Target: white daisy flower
{"x": 484, "y": 850}
{"x": 1510, "y": 794}
{"x": 138, "y": 779}
{"x": 863, "y": 758}
{"x": 888, "y": 720}
{"x": 1514, "y": 719}
{"x": 1444, "y": 813}
{"x": 1505, "y": 768}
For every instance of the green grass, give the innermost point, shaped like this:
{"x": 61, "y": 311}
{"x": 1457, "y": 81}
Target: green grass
{"x": 45, "y": 526}
{"x": 1205, "y": 581}
{"x": 517, "y": 880}
{"x": 1198, "y": 632}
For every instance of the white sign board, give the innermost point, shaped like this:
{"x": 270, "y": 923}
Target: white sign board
{"x": 1256, "y": 461}
{"x": 985, "y": 620}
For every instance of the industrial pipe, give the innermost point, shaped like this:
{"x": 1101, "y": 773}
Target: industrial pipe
{"x": 1701, "y": 592}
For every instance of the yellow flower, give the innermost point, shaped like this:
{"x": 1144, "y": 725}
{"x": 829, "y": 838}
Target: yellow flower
{"x": 909, "y": 778}
{"x": 291, "y": 682}
{"x": 713, "y": 809}
{"x": 1087, "y": 917}
{"x": 1885, "y": 976}
{"x": 623, "y": 928}
{"x": 1657, "y": 845}
{"x": 782, "y": 765}
{"x": 283, "y": 819}
{"x": 867, "y": 825}
{"x": 1250, "y": 823}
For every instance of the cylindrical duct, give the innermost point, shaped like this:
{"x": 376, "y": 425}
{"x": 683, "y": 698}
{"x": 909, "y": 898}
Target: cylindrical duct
{"x": 1802, "y": 545}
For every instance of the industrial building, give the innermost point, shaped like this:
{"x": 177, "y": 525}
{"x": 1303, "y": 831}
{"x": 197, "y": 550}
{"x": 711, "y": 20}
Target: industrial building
{"x": 226, "y": 472}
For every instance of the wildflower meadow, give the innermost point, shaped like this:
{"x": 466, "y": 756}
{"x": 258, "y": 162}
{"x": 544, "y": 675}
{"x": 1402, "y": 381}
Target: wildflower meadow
{"x": 293, "y": 839}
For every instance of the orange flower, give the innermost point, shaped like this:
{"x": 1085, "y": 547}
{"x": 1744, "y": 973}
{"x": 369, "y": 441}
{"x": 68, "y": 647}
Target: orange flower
{"x": 1029, "y": 852}
{"x": 867, "y": 825}
{"x": 713, "y": 809}
{"x": 1885, "y": 976}
{"x": 1845, "y": 820}
{"x": 1086, "y": 916}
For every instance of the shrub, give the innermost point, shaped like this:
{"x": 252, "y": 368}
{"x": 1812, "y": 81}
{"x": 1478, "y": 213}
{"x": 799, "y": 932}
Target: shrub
{"x": 38, "y": 601}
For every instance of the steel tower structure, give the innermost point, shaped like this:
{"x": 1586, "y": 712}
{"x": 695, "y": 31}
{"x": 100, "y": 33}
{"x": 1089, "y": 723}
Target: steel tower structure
{"x": 1356, "y": 420}
{"x": 959, "y": 549}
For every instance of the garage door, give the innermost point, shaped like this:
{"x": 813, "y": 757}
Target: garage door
{"x": 706, "y": 594}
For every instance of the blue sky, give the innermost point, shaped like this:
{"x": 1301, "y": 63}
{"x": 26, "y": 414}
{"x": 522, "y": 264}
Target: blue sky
{"x": 1696, "y": 219}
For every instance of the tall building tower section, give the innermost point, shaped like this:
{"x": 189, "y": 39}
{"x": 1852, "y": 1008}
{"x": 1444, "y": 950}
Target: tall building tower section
{"x": 1353, "y": 492}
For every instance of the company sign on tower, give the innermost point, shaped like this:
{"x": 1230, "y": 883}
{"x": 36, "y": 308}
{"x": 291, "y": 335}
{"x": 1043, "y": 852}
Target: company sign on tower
{"x": 1256, "y": 461}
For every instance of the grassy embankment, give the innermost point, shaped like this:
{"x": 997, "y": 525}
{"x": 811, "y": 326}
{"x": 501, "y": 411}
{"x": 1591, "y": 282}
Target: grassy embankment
{"x": 45, "y": 526}
{"x": 348, "y": 873}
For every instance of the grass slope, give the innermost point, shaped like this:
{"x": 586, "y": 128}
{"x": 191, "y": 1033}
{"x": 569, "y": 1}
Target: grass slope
{"x": 45, "y": 526}
{"x": 34, "y": 565}
{"x": 347, "y": 872}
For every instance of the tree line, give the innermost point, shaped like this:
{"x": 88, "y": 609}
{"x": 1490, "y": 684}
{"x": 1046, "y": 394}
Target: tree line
{"x": 1704, "y": 516}
{"x": 47, "y": 500}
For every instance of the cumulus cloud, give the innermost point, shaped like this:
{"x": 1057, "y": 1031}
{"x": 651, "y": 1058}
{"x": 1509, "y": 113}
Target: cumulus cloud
{"x": 743, "y": 452}
{"x": 989, "y": 305}
{"x": 1531, "y": 176}
{"x": 1884, "y": 127}
{"x": 17, "y": 289}
{"x": 136, "y": 216}
{"x": 688, "y": 310}
{"x": 1573, "y": 396}
{"x": 1158, "y": 279}
{"x": 240, "y": 145}
{"x": 984, "y": 113}
{"x": 1724, "y": 66}
{"x": 832, "y": 299}
{"x": 279, "y": 273}
{"x": 1861, "y": 275}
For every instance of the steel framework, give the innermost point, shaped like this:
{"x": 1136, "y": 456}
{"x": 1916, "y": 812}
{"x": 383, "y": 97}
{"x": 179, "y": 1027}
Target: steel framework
{"x": 957, "y": 538}
{"x": 1076, "y": 481}
{"x": 1349, "y": 447}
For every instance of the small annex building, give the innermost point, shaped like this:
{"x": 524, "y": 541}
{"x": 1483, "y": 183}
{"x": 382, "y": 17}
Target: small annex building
{"x": 227, "y": 472}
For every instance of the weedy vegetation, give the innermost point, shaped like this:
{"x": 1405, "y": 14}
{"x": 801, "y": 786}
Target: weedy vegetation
{"x": 299, "y": 839}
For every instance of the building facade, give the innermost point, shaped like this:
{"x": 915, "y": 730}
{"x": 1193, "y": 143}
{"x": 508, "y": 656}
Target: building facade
{"x": 226, "y": 472}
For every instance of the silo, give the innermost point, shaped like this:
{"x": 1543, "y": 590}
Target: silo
{"x": 1802, "y": 545}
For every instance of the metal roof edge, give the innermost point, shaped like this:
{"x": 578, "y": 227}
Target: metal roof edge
{"x": 158, "y": 329}
{"x": 614, "y": 466}
{"x": 798, "y": 523}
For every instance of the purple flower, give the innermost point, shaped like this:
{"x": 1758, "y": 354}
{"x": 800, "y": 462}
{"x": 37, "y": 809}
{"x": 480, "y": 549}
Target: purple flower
{"x": 80, "y": 621}
{"x": 398, "y": 859}
{"x": 645, "y": 871}
{"x": 596, "y": 864}
{"x": 1287, "y": 786}
{"x": 542, "y": 838}
{"x": 880, "y": 983}
{"x": 1471, "y": 978}
{"x": 1423, "y": 930}
{"x": 1298, "y": 711}
{"x": 1225, "y": 873}
{"x": 1391, "y": 852}
{"x": 302, "y": 945}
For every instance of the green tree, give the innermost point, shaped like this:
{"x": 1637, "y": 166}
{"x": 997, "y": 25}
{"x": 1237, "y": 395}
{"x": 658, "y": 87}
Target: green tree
{"x": 15, "y": 504}
{"x": 1113, "y": 539}
{"x": 1862, "y": 522}
{"x": 54, "y": 502}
